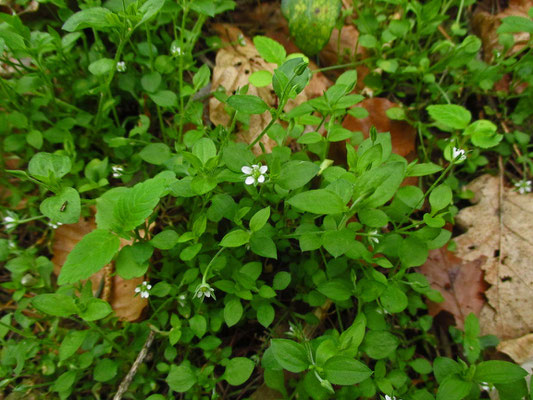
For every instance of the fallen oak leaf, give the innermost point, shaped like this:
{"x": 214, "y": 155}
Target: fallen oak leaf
{"x": 497, "y": 228}
{"x": 119, "y": 292}
{"x": 460, "y": 283}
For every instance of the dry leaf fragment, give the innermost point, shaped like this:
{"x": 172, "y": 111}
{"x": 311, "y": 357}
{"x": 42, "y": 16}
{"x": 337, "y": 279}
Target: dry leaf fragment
{"x": 499, "y": 228}
{"x": 403, "y": 135}
{"x": 234, "y": 65}
{"x": 485, "y": 25}
{"x": 460, "y": 283}
{"x": 519, "y": 349}
{"x": 126, "y": 305}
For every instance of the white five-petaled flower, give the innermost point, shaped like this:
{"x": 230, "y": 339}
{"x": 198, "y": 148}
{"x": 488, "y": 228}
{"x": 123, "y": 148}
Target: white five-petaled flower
{"x": 9, "y": 222}
{"x": 387, "y": 397}
{"x": 458, "y": 154}
{"x": 121, "y": 66}
{"x": 256, "y": 174}
{"x": 523, "y": 186}
{"x": 204, "y": 290}
{"x": 175, "y": 50}
{"x": 144, "y": 289}
{"x": 118, "y": 171}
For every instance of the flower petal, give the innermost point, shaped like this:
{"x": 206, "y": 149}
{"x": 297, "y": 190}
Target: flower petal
{"x": 261, "y": 179}
{"x": 246, "y": 170}
{"x": 250, "y": 180}
{"x": 263, "y": 169}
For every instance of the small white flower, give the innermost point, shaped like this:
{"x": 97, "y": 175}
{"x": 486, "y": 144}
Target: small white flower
{"x": 256, "y": 174}
{"x": 144, "y": 289}
{"x": 54, "y": 225}
{"x": 175, "y": 50}
{"x": 181, "y": 299}
{"x": 387, "y": 397}
{"x": 9, "y": 222}
{"x": 118, "y": 171}
{"x": 523, "y": 186}
{"x": 458, "y": 154}
{"x": 204, "y": 290}
{"x": 373, "y": 236}
{"x": 121, "y": 66}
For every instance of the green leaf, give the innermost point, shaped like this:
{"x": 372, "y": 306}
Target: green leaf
{"x": 164, "y": 98}
{"x": 56, "y": 304}
{"x": 281, "y": 280}
{"x": 138, "y": 203}
{"x": 352, "y": 337}
{"x": 155, "y": 153}
{"x": 421, "y": 365}
{"x": 91, "y": 254}
{"x": 453, "y": 388}
{"x": 238, "y": 370}
{"x": 71, "y": 343}
{"x": 105, "y": 370}
{"x": 440, "y": 197}
{"x": 380, "y": 344}
{"x": 248, "y": 104}
{"x": 423, "y": 169}
{"x": 413, "y": 252}
{"x": 260, "y": 78}
{"x": 270, "y": 50}
{"x": 149, "y": 9}
{"x": 165, "y": 240}
{"x": 444, "y": 367}
{"x": 373, "y": 218}
{"x": 259, "y": 219}
{"x": 198, "y": 325}
{"x": 394, "y": 300}
{"x": 181, "y": 378}
{"x": 105, "y": 205}
{"x": 295, "y": 174}
{"x": 95, "y": 17}
{"x": 495, "y": 371}
{"x": 235, "y": 238}
{"x": 151, "y": 81}
{"x": 65, "y": 207}
{"x": 338, "y": 242}
{"x": 265, "y": 314}
{"x": 204, "y": 149}
{"x": 516, "y": 24}
{"x": 102, "y": 66}
{"x": 335, "y": 289}
{"x": 318, "y": 201}
{"x": 201, "y": 77}
{"x": 95, "y": 309}
{"x": 450, "y": 115}
{"x": 42, "y": 165}
{"x": 263, "y": 246}
{"x": 344, "y": 370}
{"x": 311, "y": 22}
{"x": 233, "y": 311}
{"x": 290, "y": 355}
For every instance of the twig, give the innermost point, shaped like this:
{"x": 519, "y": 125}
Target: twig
{"x": 124, "y": 385}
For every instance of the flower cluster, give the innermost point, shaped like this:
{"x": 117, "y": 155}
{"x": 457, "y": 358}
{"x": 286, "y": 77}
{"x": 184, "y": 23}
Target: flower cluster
{"x": 118, "y": 171}
{"x": 256, "y": 174}
{"x": 523, "y": 186}
{"x": 144, "y": 289}
{"x": 9, "y": 222}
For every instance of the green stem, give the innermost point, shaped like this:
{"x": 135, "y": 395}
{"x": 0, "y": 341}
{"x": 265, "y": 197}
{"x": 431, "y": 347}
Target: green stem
{"x": 17, "y": 331}
{"x": 206, "y": 272}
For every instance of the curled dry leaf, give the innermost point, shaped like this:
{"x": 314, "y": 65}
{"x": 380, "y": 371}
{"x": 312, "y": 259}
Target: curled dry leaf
{"x": 460, "y": 283}
{"x": 498, "y": 227}
{"x": 120, "y": 293}
{"x": 234, "y": 65}
{"x": 485, "y": 25}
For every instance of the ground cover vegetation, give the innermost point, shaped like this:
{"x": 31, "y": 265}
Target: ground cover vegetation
{"x": 217, "y": 199}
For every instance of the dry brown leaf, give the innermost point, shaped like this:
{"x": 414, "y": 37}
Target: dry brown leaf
{"x": 460, "y": 283}
{"x": 485, "y": 25}
{"x": 126, "y": 305}
{"x": 403, "y": 135}
{"x": 519, "y": 349}
{"x": 499, "y": 228}
{"x": 234, "y": 65}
